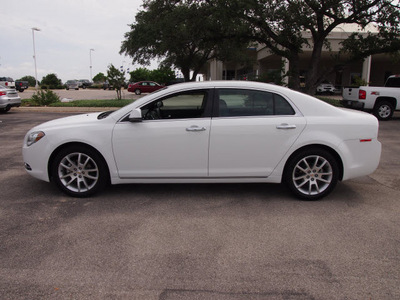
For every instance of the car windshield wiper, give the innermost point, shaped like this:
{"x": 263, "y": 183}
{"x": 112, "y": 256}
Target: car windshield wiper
{"x": 105, "y": 114}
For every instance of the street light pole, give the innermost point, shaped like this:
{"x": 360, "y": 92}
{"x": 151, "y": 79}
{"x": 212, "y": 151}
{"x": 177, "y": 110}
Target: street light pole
{"x": 34, "y": 54}
{"x": 90, "y": 55}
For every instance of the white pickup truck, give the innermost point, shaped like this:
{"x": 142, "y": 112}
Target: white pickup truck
{"x": 382, "y": 101}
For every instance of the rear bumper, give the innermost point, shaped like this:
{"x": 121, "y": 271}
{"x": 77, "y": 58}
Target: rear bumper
{"x": 10, "y": 102}
{"x": 353, "y": 104}
{"x": 360, "y": 158}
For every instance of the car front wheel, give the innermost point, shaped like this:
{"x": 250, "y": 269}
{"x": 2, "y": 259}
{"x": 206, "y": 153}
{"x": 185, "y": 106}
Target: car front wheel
{"x": 79, "y": 171}
{"x": 312, "y": 174}
{"x": 138, "y": 92}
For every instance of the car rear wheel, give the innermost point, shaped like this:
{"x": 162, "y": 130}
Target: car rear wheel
{"x": 383, "y": 110}
{"x": 138, "y": 92}
{"x": 311, "y": 174}
{"x": 79, "y": 171}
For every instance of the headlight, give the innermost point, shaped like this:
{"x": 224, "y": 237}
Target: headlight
{"x": 34, "y": 137}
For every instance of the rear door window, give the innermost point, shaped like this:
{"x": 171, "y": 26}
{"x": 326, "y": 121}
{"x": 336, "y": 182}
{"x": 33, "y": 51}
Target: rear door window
{"x": 241, "y": 102}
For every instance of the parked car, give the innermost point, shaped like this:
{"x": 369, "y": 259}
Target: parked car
{"x": 7, "y": 82}
{"x": 21, "y": 85}
{"x": 72, "y": 84}
{"x": 84, "y": 83}
{"x": 107, "y": 85}
{"x": 208, "y": 132}
{"x": 144, "y": 87}
{"x": 326, "y": 88}
{"x": 8, "y": 98}
{"x": 381, "y": 101}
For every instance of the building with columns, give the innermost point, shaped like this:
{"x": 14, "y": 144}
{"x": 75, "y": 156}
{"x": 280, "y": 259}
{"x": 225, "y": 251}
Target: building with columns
{"x": 374, "y": 70}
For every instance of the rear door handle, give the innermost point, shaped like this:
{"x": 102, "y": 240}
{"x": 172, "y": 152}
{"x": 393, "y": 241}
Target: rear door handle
{"x": 286, "y": 126}
{"x": 195, "y": 128}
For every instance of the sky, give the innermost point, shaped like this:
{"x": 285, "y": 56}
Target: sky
{"x": 69, "y": 29}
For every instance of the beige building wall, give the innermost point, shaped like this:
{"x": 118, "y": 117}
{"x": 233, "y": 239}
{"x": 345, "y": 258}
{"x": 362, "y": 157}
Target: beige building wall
{"x": 374, "y": 70}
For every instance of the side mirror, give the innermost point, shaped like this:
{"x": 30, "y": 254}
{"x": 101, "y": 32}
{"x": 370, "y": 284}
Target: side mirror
{"x": 135, "y": 116}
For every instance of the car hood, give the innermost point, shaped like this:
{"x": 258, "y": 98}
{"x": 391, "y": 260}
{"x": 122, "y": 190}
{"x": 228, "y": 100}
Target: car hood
{"x": 72, "y": 121}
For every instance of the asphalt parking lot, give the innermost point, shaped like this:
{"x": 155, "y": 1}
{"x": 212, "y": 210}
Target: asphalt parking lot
{"x": 221, "y": 241}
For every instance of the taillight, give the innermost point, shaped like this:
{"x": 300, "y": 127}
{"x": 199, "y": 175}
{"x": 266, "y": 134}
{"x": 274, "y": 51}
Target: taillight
{"x": 3, "y": 93}
{"x": 6, "y": 83}
{"x": 362, "y": 95}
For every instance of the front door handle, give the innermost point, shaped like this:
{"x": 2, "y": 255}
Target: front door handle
{"x": 286, "y": 126}
{"x": 195, "y": 128}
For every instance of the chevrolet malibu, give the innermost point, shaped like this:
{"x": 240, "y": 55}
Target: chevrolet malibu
{"x": 208, "y": 132}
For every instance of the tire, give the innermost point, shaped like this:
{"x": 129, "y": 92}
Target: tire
{"x": 383, "y": 110}
{"x": 138, "y": 92}
{"x": 79, "y": 171}
{"x": 311, "y": 174}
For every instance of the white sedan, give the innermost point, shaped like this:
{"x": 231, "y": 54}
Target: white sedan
{"x": 208, "y": 132}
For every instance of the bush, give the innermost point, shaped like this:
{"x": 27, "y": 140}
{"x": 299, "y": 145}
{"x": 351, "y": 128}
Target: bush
{"x": 51, "y": 81}
{"x": 45, "y": 97}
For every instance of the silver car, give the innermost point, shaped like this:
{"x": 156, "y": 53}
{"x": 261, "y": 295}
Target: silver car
{"x": 72, "y": 84}
{"x": 8, "y": 98}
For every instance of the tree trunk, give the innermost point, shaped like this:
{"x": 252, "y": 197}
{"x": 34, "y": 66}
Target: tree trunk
{"x": 294, "y": 72}
{"x": 313, "y": 77}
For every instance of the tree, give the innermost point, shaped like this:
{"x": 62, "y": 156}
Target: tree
{"x": 140, "y": 74}
{"x": 31, "y": 80}
{"x": 116, "y": 79}
{"x": 161, "y": 75}
{"x": 280, "y": 24}
{"x": 99, "y": 78}
{"x": 51, "y": 81}
{"x": 184, "y": 33}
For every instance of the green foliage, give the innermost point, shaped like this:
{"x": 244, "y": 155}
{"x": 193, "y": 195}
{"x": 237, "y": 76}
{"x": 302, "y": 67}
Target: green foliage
{"x": 186, "y": 34}
{"x": 44, "y": 98}
{"x": 331, "y": 101}
{"x": 274, "y": 77}
{"x": 51, "y": 81}
{"x": 99, "y": 78}
{"x": 116, "y": 78}
{"x": 31, "y": 80}
{"x": 140, "y": 74}
{"x": 280, "y": 24}
{"x": 358, "y": 81}
{"x": 161, "y": 75}
{"x": 360, "y": 46}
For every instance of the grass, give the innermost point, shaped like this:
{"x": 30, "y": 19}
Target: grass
{"x": 331, "y": 101}
{"x": 85, "y": 103}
